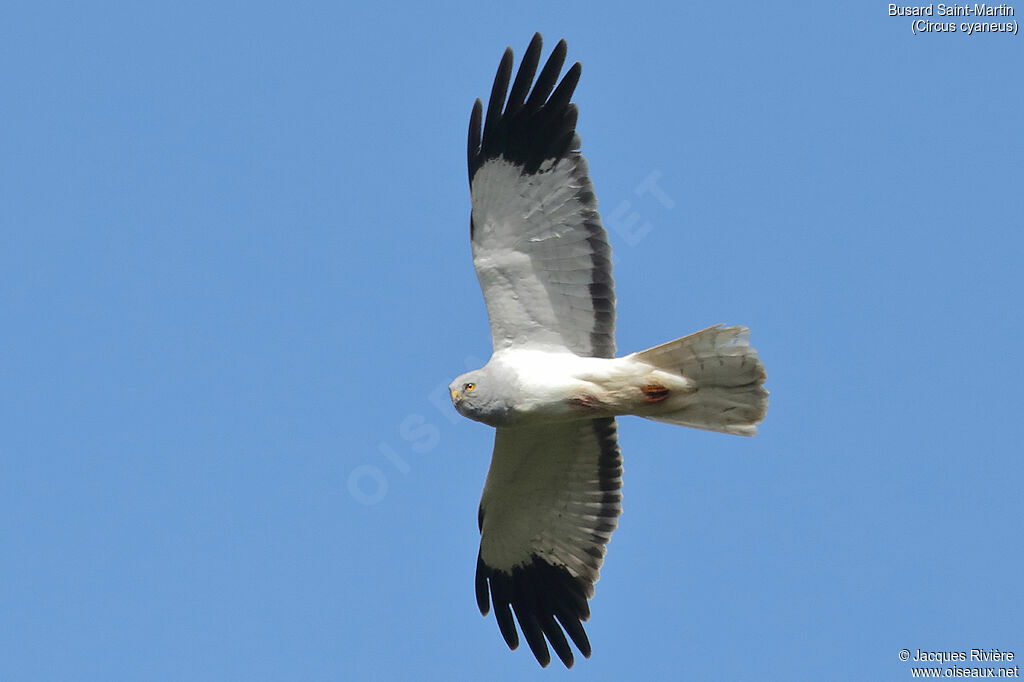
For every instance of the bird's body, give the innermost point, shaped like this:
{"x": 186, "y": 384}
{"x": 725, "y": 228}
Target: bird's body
{"x": 663, "y": 383}
{"x": 560, "y": 386}
{"x": 553, "y": 386}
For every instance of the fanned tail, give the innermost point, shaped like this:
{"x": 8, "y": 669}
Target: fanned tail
{"x": 729, "y": 396}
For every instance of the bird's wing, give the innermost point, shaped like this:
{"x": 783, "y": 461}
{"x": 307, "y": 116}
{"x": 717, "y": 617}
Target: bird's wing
{"x": 550, "y": 503}
{"x": 540, "y": 251}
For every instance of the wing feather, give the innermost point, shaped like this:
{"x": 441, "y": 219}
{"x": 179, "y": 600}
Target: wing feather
{"x": 548, "y": 75}
{"x": 540, "y": 250}
{"x": 498, "y": 91}
{"x": 550, "y": 504}
{"x": 524, "y": 77}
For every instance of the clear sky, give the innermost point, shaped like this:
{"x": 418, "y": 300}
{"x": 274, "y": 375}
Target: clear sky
{"x": 235, "y": 272}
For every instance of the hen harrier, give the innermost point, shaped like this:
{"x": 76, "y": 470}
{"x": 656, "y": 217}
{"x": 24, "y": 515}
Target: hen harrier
{"x": 553, "y": 386}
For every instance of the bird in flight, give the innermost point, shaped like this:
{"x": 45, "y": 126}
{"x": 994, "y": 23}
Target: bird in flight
{"x": 553, "y": 386}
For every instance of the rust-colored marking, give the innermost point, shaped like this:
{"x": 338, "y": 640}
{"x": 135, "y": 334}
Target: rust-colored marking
{"x": 654, "y": 393}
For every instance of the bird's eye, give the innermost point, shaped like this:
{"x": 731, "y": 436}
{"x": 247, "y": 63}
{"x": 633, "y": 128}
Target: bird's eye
{"x": 469, "y": 387}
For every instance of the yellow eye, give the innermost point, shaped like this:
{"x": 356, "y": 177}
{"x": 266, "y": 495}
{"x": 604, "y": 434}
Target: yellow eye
{"x": 469, "y": 387}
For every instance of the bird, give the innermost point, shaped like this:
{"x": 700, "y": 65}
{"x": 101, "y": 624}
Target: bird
{"x": 553, "y": 386}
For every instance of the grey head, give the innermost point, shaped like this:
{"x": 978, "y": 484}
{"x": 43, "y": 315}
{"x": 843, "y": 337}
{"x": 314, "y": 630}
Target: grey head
{"x": 483, "y": 396}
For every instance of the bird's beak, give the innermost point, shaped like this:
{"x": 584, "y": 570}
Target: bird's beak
{"x": 455, "y": 396}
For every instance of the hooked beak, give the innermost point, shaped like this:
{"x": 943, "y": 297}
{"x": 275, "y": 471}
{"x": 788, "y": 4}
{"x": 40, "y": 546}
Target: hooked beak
{"x": 455, "y": 396}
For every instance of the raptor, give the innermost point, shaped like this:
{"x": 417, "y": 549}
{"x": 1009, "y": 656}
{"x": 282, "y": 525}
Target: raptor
{"x": 554, "y": 386}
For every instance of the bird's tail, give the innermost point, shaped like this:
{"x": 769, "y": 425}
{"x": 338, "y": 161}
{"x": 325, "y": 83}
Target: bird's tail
{"x": 725, "y": 376}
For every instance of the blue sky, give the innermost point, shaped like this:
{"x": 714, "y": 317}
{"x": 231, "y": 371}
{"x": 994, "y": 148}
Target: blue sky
{"x": 234, "y": 272}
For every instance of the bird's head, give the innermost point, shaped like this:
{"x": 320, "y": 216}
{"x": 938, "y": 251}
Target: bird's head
{"x": 467, "y": 391}
{"x": 475, "y": 395}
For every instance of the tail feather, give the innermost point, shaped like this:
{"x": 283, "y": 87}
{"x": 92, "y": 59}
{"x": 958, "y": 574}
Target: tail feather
{"x": 728, "y": 376}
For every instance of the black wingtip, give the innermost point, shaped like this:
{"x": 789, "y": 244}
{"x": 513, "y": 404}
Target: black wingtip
{"x": 498, "y": 92}
{"x": 557, "y": 638}
{"x": 545, "y": 600}
{"x": 548, "y": 77}
{"x": 483, "y": 597}
{"x": 473, "y": 141}
{"x": 537, "y": 121}
{"x": 563, "y": 93}
{"x": 529, "y": 624}
{"x": 524, "y": 77}
{"x": 574, "y": 628}
{"x": 503, "y": 614}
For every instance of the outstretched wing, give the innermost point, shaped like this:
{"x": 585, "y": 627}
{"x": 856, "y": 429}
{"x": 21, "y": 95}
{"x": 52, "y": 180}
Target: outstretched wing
{"x": 541, "y": 254}
{"x": 550, "y": 503}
